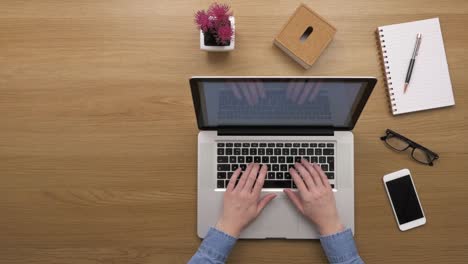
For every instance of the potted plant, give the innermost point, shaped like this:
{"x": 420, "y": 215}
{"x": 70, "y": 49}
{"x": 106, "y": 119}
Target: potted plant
{"x": 216, "y": 27}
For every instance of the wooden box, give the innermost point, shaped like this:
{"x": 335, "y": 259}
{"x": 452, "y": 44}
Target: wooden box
{"x": 305, "y": 36}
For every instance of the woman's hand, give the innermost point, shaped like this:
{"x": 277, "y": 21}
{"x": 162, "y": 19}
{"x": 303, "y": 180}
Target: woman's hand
{"x": 242, "y": 203}
{"x": 315, "y": 199}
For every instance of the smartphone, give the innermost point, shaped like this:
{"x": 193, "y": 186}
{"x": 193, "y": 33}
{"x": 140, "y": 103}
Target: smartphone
{"x": 404, "y": 199}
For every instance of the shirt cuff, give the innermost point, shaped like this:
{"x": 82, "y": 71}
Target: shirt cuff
{"x": 339, "y": 247}
{"x": 217, "y": 244}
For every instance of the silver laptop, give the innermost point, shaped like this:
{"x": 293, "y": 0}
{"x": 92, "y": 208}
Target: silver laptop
{"x": 276, "y": 121}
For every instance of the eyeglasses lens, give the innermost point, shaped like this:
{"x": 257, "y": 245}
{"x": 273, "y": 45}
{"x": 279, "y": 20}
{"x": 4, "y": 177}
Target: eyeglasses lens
{"x": 421, "y": 156}
{"x": 396, "y": 143}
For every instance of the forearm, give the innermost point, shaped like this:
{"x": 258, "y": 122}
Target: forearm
{"x": 341, "y": 248}
{"x": 214, "y": 249}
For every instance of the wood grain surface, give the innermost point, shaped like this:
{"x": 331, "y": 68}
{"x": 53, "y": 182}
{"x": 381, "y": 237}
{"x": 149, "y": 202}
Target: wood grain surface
{"x": 98, "y": 134}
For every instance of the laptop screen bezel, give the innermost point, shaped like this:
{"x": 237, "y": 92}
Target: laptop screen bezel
{"x": 361, "y": 102}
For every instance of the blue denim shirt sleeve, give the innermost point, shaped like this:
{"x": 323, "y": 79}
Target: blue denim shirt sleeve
{"x": 340, "y": 248}
{"x": 214, "y": 249}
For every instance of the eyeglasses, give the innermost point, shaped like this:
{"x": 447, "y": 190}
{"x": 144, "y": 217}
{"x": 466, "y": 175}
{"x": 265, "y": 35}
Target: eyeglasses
{"x": 400, "y": 143}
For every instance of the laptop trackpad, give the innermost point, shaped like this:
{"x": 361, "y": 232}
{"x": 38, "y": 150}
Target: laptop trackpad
{"x": 279, "y": 219}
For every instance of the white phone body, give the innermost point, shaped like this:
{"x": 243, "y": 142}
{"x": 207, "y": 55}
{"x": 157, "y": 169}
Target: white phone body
{"x": 405, "y": 224}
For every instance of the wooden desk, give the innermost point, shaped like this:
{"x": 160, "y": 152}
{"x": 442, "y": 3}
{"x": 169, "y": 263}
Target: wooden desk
{"x": 98, "y": 134}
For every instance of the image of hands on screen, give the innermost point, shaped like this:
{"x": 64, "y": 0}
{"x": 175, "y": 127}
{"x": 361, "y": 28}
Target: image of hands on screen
{"x": 281, "y": 102}
{"x": 302, "y": 92}
{"x": 253, "y": 92}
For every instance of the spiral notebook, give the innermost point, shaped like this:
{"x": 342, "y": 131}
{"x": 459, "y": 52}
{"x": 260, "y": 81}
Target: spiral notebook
{"x": 430, "y": 86}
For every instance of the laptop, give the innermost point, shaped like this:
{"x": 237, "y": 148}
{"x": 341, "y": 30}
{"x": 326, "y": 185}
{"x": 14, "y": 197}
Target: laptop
{"x": 276, "y": 121}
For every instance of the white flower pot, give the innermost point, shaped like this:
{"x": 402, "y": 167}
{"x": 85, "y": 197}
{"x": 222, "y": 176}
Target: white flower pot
{"x": 220, "y": 48}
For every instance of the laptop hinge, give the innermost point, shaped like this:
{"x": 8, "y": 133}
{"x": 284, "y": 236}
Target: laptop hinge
{"x": 276, "y": 131}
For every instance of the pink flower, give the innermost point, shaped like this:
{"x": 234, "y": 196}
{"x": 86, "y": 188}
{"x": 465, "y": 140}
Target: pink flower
{"x": 224, "y": 33}
{"x": 202, "y": 19}
{"x": 219, "y": 11}
{"x": 216, "y": 22}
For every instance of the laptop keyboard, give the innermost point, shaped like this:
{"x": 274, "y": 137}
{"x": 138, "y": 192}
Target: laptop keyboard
{"x": 278, "y": 156}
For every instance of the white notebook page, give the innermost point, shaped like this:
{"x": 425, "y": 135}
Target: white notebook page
{"x": 430, "y": 85}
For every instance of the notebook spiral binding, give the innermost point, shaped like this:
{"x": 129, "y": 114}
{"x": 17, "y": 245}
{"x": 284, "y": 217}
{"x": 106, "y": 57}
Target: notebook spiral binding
{"x": 388, "y": 76}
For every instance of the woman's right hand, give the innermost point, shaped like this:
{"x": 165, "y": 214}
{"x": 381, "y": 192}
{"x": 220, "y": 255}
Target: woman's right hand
{"x": 315, "y": 198}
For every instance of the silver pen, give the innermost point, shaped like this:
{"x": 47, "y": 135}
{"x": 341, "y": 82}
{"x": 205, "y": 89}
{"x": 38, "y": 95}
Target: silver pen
{"x": 413, "y": 59}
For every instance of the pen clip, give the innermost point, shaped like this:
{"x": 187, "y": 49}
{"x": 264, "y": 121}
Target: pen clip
{"x": 418, "y": 43}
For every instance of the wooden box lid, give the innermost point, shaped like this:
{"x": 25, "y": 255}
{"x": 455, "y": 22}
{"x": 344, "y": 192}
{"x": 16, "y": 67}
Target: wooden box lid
{"x": 305, "y": 36}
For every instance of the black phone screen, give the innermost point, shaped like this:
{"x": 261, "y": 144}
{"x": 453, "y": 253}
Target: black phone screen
{"x": 404, "y": 199}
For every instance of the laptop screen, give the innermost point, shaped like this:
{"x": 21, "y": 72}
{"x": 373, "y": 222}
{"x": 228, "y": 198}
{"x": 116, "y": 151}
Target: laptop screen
{"x": 285, "y": 102}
